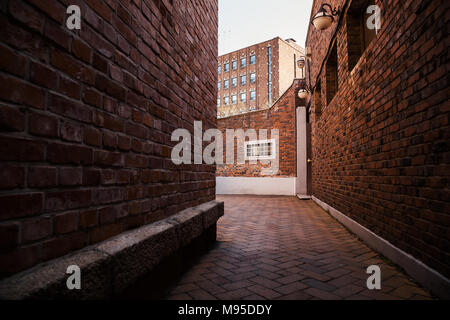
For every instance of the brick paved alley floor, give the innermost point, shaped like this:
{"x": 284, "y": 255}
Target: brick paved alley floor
{"x": 285, "y": 248}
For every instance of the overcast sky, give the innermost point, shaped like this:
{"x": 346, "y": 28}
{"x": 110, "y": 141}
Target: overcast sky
{"x": 246, "y": 22}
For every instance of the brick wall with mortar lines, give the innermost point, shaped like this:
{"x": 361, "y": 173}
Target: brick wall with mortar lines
{"x": 381, "y": 147}
{"x": 281, "y": 116}
{"x": 86, "y": 118}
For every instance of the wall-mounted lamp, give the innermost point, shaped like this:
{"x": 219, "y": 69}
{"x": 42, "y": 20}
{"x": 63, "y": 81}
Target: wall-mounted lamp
{"x": 301, "y": 63}
{"x": 303, "y": 93}
{"x": 324, "y": 18}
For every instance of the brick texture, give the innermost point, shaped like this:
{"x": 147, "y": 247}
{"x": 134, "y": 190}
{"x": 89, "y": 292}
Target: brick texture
{"x": 86, "y": 118}
{"x": 381, "y": 145}
{"x": 281, "y": 116}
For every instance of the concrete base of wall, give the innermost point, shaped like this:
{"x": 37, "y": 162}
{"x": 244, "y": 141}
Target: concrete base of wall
{"x": 111, "y": 268}
{"x": 256, "y": 186}
{"x": 426, "y": 276}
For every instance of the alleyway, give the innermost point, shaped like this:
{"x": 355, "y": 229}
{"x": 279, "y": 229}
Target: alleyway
{"x": 284, "y": 248}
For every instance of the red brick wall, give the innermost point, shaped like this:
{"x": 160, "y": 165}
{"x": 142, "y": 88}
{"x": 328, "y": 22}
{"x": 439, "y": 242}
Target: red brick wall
{"x": 381, "y": 146}
{"x": 86, "y": 119}
{"x": 281, "y": 116}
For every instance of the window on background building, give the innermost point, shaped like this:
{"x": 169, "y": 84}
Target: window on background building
{"x": 243, "y": 97}
{"x": 252, "y": 77}
{"x": 226, "y": 100}
{"x": 234, "y": 99}
{"x": 218, "y": 86}
{"x": 219, "y": 69}
{"x": 218, "y": 102}
{"x": 252, "y": 95}
{"x": 234, "y": 65}
{"x": 234, "y": 82}
{"x": 359, "y": 36}
{"x": 226, "y": 84}
{"x": 260, "y": 150}
{"x": 252, "y": 59}
{"x": 243, "y": 80}
{"x": 243, "y": 62}
{"x": 226, "y": 67}
{"x": 332, "y": 74}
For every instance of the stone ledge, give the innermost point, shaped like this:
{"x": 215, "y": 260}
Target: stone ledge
{"x": 110, "y": 267}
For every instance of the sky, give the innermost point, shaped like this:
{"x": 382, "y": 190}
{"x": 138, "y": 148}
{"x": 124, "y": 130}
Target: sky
{"x": 246, "y": 22}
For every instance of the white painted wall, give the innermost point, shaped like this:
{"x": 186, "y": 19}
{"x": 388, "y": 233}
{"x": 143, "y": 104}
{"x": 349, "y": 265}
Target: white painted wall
{"x": 302, "y": 170}
{"x": 256, "y": 186}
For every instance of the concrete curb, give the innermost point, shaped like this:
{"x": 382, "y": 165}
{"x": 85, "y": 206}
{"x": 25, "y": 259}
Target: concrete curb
{"x": 438, "y": 284}
{"x": 110, "y": 267}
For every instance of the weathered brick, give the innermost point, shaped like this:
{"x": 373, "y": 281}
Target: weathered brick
{"x": 51, "y": 8}
{"x": 11, "y": 176}
{"x": 71, "y": 132}
{"x": 58, "y": 34}
{"x": 70, "y": 177}
{"x": 21, "y": 92}
{"x": 43, "y": 75}
{"x": 36, "y": 229}
{"x": 43, "y": 125}
{"x": 9, "y": 235}
{"x": 109, "y": 140}
{"x": 42, "y": 177}
{"x": 81, "y": 50}
{"x": 11, "y": 119}
{"x": 65, "y": 154}
{"x": 88, "y": 218}
{"x": 63, "y": 200}
{"x": 12, "y": 62}
{"x": 12, "y": 149}
{"x": 101, "y": 233}
{"x": 92, "y": 97}
{"x": 72, "y": 67}
{"x": 60, "y": 246}
{"x": 69, "y": 108}
{"x": 92, "y": 137}
{"x": 106, "y": 158}
{"x": 69, "y": 88}
{"x": 65, "y": 222}
{"x": 26, "y": 14}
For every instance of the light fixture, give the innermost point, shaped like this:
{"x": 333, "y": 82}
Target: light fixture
{"x": 303, "y": 93}
{"x": 301, "y": 63}
{"x": 323, "y": 18}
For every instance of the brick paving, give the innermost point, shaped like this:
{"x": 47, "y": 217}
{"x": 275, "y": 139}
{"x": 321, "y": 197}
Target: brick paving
{"x": 285, "y": 248}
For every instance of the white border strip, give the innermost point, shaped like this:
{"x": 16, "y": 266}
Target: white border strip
{"x": 426, "y": 276}
{"x": 256, "y": 186}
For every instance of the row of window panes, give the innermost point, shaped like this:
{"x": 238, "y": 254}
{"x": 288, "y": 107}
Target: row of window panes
{"x": 259, "y": 150}
{"x": 226, "y": 66}
{"x": 243, "y": 96}
{"x": 226, "y": 83}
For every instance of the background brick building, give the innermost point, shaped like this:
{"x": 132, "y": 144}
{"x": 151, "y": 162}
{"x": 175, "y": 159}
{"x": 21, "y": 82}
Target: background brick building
{"x": 380, "y": 124}
{"x": 252, "y": 177}
{"x": 86, "y": 119}
{"x": 253, "y": 78}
